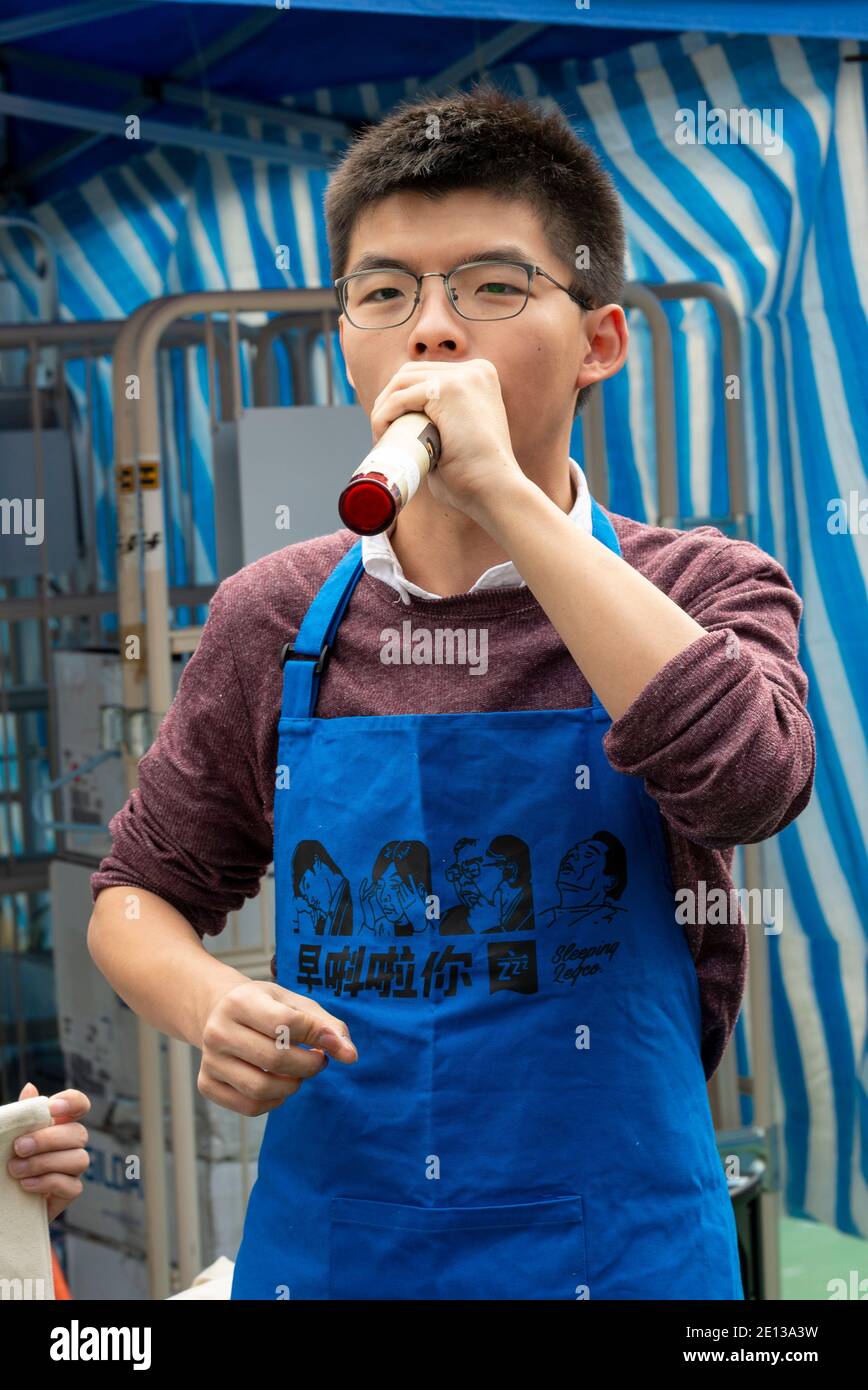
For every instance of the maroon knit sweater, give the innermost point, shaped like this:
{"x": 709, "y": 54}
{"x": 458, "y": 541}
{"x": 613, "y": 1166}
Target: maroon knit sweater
{"x": 720, "y": 736}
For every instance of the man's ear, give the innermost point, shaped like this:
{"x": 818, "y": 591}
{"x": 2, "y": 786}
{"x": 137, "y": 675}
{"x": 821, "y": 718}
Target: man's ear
{"x": 608, "y": 342}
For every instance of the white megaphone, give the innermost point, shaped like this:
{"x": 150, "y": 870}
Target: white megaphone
{"x": 390, "y": 474}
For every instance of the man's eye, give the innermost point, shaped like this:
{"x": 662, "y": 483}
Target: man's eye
{"x": 497, "y": 287}
{"x": 387, "y": 290}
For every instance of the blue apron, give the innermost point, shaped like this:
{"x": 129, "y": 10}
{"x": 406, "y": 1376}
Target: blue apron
{"x": 488, "y": 906}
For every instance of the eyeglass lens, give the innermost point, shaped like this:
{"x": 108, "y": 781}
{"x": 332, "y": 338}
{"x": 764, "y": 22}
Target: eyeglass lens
{"x": 487, "y": 290}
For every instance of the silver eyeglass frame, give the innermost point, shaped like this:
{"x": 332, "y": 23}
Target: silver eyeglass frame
{"x": 528, "y": 266}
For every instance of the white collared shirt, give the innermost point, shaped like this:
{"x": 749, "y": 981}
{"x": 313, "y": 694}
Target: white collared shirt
{"x": 380, "y": 560}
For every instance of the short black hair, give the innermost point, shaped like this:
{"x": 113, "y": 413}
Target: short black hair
{"x": 410, "y": 858}
{"x": 615, "y": 863}
{"x": 487, "y": 138}
{"x": 305, "y": 855}
{"x": 514, "y": 855}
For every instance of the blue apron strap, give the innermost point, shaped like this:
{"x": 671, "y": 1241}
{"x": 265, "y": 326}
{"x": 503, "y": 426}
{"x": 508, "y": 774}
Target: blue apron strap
{"x": 604, "y": 532}
{"x": 603, "y": 528}
{"x": 304, "y": 659}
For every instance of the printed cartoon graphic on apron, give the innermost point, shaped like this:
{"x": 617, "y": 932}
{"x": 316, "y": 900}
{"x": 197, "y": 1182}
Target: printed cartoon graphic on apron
{"x": 495, "y": 894}
{"x": 591, "y": 876}
{"x": 493, "y": 883}
{"x": 323, "y": 902}
{"x": 395, "y": 901}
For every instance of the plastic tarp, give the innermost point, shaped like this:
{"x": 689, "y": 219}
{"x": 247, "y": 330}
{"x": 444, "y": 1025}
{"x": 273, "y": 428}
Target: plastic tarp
{"x": 784, "y": 234}
{"x": 76, "y": 55}
{"x": 842, "y": 19}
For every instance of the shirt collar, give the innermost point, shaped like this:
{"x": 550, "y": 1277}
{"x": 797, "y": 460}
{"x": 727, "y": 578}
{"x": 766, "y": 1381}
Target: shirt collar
{"x": 380, "y": 560}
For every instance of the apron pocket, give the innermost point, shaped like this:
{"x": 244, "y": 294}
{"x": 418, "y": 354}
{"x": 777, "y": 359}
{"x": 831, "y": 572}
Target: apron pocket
{"x": 383, "y": 1250}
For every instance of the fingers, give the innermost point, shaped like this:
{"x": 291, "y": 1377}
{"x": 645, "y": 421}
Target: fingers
{"x": 66, "y": 1104}
{"x": 223, "y": 1094}
{"x": 49, "y": 1160}
{"x": 232, "y": 1082}
{"x": 238, "y": 1050}
{"x": 287, "y": 1019}
{"x": 61, "y": 1185}
{"x": 410, "y": 371}
{"x": 278, "y": 1056}
{"x": 53, "y": 1163}
{"x": 401, "y": 402}
{"x": 261, "y": 1041}
{"x": 51, "y": 1139}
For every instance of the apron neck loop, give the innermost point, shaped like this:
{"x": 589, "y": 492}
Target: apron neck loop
{"x": 604, "y": 532}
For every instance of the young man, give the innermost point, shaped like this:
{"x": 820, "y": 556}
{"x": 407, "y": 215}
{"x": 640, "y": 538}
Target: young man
{"x": 520, "y": 1107}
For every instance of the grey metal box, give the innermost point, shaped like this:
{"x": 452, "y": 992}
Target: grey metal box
{"x": 283, "y": 463}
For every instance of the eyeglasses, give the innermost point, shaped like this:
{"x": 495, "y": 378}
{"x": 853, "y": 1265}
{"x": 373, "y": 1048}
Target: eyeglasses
{"x": 478, "y": 290}
{"x": 471, "y": 868}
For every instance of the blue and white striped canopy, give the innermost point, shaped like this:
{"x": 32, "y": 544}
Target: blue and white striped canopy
{"x": 785, "y": 235}
{"x": 836, "y": 19}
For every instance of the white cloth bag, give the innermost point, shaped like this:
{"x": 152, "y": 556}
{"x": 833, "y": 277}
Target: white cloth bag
{"x": 25, "y": 1246}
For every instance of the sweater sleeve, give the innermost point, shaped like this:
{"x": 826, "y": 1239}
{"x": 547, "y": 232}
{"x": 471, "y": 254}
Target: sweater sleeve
{"x": 194, "y": 831}
{"x": 721, "y": 735}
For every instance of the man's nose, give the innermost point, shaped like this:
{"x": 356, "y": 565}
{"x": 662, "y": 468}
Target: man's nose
{"x": 435, "y": 323}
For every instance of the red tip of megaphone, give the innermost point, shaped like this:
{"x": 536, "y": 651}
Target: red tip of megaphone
{"x": 367, "y": 507}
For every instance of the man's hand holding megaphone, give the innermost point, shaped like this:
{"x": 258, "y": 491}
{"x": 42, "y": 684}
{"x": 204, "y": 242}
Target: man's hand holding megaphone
{"x": 463, "y": 400}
